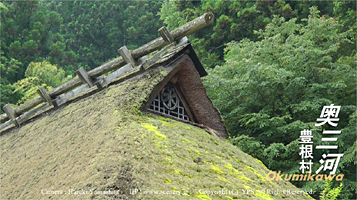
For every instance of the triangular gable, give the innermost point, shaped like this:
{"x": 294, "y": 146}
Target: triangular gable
{"x": 188, "y": 101}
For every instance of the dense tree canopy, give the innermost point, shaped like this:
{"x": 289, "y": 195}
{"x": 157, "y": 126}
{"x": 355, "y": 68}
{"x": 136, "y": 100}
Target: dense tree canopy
{"x": 235, "y": 20}
{"x": 69, "y": 34}
{"x": 93, "y": 31}
{"x": 27, "y": 34}
{"x": 270, "y": 90}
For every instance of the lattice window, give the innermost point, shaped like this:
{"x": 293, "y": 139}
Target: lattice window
{"x": 168, "y": 102}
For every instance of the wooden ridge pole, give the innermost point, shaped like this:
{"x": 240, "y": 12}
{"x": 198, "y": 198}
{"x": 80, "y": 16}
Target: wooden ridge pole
{"x": 184, "y": 30}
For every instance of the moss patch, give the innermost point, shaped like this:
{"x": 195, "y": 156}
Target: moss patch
{"x": 263, "y": 195}
{"x": 202, "y": 196}
{"x": 216, "y": 170}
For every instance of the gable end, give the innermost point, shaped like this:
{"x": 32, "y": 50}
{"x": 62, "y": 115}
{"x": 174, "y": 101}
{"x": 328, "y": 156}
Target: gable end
{"x": 185, "y": 78}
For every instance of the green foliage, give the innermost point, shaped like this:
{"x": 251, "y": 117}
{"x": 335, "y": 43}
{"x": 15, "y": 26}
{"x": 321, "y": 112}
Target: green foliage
{"x": 74, "y": 34}
{"x": 249, "y": 145}
{"x": 3, "y": 9}
{"x": 8, "y": 69}
{"x": 276, "y": 80}
{"x": 346, "y": 13}
{"x": 41, "y": 74}
{"x": 348, "y": 165}
{"x": 301, "y": 8}
{"x": 28, "y": 88}
{"x": 93, "y": 31}
{"x": 49, "y": 74}
{"x": 235, "y": 20}
{"x": 330, "y": 193}
{"x": 271, "y": 89}
{"x": 70, "y": 35}
{"x": 27, "y": 34}
{"x": 7, "y": 95}
{"x": 169, "y": 15}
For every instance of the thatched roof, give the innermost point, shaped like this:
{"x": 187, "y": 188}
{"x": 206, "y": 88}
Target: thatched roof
{"x": 105, "y": 142}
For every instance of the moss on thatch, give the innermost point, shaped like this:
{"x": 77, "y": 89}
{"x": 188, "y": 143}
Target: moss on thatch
{"x": 104, "y": 143}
